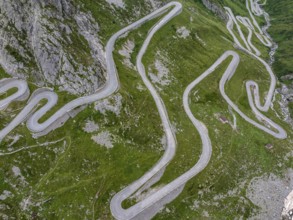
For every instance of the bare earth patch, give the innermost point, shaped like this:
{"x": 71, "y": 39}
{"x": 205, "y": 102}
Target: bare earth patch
{"x": 112, "y": 104}
{"x": 183, "y": 32}
{"x": 90, "y": 126}
{"x": 6, "y": 194}
{"x": 104, "y": 138}
{"x": 159, "y": 72}
{"x": 117, "y": 3}
{"x": 126, "y": 51}
{"x": 268, "y": 193}
{"x": 154, "y": 3}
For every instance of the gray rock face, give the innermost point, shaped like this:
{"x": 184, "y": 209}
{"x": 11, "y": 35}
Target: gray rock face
{"x": 286, "y": 93}
{"x": 52, "y": 43}
{"x": 215, "y": 8}
{"x": 287, "y": 77}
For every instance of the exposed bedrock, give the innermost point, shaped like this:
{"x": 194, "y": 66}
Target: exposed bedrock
{"x": 216, "y": 9}
{"x": 52, "y": 43}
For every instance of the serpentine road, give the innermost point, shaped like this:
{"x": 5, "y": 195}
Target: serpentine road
{"x": 111, "y": 85}
{"x": 21, "y": 94}
{"x": 251, "y": 85}
{"x": 149, "y": 206}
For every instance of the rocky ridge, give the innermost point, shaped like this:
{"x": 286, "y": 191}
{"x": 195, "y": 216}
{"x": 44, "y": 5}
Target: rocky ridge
{"x": 51, "y": 43}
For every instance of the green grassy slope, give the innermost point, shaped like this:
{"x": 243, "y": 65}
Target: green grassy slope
{"x": 75, "y": 178}
{"x": 281, "y": 13}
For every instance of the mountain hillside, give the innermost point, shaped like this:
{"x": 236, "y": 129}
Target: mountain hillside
{"x": 281, "y": 30}
{"x": 52, "y": 43}
{"x": 84, "y": 164}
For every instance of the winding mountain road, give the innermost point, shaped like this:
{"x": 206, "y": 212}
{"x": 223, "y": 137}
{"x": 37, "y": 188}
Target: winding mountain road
{"x": 111, "y": 85}
{"x": 149, "y": 206}
{"x": 254, "y": 101}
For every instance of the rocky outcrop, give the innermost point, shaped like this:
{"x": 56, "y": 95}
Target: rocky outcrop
{"x": 216, "y": 9}
{"x": 286, "y": 93}
{"x": 287, "y": 77}
{"x": 287, "y": 212}
{"x": 155, "y": 3}
{"x": 52, "y": 43}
